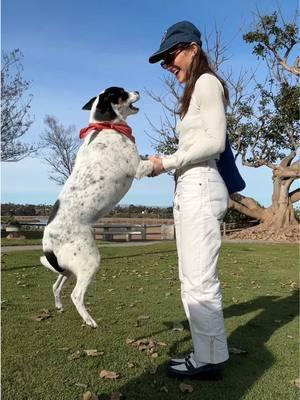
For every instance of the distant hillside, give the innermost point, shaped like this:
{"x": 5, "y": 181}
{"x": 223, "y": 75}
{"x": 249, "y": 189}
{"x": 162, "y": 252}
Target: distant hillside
{"x": 120, "y": 211}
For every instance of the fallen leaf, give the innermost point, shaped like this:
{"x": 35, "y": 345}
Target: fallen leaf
{"x": 116, "y": 396}
{"x": 235, "y": 350}
{"x": 186, "y": 388}
{"x": 143, "y": 317}
{"x": 130, "y": 365}
{"x": 89, "y": 396}
{"x": 45, "y": 314}
{"x": 75, "y": 355}
{"x": 234, "y": 300}
{"x": 296, "y": 382}
{"x": 109, "y": 374}
{"x": 153, "y": 369}
{"x": 177, "y": 327}
{"x": 93, "y": 353}
{"x": 162, "y": 344}
{"x": 164, "y": 389}
{"x": 80, "y": 385}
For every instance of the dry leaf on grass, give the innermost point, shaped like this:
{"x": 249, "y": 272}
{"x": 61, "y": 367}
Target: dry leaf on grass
{"x": 74, "y": 356}
{"x": 149, "y": 345}
{"x": 109, "y": 374}
{"x": 143, "y": 317}
{"x": 89, "y": 396}
{"x": 186, "y": 388}
{"x": 177, "y": 327}
{"x": 44, "y": 314}
{"x": 131, "y": 365}
{"x": 153, "y": 369}
{"x": 163, "y": 344}
{"x": 93, "y": 353}
{"x": 141, "y": 320}
{"x": 116, "y": 396}
{"x": 164, "y": 389}
{"x": 235, "y": 350}
{"x": 80, "y": 384}
{"x": 296, "y": 382}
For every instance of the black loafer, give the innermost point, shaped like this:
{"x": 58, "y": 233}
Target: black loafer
{"x": 208, "y": 371}
{"x": 177, "y": 361}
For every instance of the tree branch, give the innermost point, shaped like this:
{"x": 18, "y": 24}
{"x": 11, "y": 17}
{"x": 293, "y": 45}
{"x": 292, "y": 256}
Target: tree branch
{"x": 294, "y": 195}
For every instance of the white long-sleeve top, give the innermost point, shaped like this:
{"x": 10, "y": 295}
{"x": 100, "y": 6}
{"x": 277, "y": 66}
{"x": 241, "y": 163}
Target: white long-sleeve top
{"x": 202, "y": 131}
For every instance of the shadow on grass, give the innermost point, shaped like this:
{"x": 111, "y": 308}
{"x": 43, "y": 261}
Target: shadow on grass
{"x": 241, "y": 371}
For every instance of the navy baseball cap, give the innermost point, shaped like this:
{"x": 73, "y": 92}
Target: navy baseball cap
{"x": 181, "y": 32}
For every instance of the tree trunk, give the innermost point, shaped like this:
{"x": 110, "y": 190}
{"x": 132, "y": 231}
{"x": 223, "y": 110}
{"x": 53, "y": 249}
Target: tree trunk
{"x": 277, "y": 222}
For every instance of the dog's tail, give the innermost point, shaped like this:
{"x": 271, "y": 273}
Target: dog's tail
{"x": 49, "y": 260}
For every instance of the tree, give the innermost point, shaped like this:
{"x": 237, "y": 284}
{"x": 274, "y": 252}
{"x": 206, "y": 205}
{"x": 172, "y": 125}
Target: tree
{"x": 60, "y": 149}
{"x": 263, "y": 126}
{"x": 15, "y": 108}
{"x": 265, "y": 132}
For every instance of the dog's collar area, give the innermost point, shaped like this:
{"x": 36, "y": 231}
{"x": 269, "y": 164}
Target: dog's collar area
{"x": 99, "y": 126}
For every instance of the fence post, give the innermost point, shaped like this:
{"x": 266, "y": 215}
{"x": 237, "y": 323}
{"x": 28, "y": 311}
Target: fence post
{"x": 224, "y": 229}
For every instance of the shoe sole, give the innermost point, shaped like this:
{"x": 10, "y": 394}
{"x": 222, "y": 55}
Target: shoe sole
{"x": 212, "y": 375}
{"x": 172, "y": 363}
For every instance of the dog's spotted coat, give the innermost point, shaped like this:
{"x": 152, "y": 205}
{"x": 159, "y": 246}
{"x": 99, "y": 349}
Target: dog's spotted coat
{"x": 105, "y": 166}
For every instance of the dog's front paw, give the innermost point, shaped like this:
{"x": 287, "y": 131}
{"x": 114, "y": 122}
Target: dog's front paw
{"x": 145, "y": 168}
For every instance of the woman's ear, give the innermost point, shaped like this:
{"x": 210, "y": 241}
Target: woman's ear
{"x": 194, "y": 48}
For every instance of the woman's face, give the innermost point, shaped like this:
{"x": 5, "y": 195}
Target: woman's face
{"x": 181, "y": 62}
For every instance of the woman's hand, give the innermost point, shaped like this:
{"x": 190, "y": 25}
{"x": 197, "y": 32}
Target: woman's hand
{"x": 158, "y": 167}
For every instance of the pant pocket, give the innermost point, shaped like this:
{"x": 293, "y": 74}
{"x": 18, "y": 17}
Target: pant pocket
{"x": 218, "y": 198}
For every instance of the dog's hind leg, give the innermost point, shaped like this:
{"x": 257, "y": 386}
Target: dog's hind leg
{"x": 77, "y": 296}
{"x": 57, "y": 287}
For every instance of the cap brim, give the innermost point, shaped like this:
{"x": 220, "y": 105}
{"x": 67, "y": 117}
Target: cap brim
{"x": 159, "y": 54}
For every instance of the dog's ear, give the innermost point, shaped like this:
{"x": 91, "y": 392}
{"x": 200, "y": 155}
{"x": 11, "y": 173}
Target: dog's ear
{"x": 105, "y": 100}
{"x": 88, "y": 105}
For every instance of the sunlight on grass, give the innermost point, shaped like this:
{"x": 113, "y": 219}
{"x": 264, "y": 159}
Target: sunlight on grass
{"x": 136, "y": 296}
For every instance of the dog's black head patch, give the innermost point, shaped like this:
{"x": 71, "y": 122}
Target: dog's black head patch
{"x": 111, "y": 95}
{"x": 112, "y": 99}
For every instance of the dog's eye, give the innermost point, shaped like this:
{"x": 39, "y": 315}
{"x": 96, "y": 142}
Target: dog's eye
{"x": 124, "y": 96}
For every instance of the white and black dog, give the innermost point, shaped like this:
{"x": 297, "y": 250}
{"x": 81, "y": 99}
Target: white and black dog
{"x": 105, "y": 166}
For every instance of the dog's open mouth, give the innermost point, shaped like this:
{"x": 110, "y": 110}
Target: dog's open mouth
{"x": 132, "y": 107}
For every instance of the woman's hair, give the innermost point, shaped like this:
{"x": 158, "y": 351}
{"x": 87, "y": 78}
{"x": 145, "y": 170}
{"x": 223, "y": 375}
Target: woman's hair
{"x": 199, "y": 66}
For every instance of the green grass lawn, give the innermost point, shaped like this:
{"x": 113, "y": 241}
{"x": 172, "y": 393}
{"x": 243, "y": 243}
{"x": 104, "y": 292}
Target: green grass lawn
{"x": 135, "y": 296}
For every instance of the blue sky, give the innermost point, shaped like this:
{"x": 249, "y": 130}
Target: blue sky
{"x": 74, "y": 49}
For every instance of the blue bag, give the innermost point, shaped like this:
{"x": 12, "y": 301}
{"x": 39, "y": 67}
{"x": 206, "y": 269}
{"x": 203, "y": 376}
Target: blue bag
{"x": 229, "y": 171}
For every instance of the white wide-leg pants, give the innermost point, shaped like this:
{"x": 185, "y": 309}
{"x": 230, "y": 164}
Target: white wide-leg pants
{"x": 200, "y": 203}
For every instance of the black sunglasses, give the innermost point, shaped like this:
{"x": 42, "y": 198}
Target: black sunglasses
{"x": 170, "y": 57}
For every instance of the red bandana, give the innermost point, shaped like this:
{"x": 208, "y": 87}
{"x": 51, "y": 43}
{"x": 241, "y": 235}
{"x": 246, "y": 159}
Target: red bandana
{"x": 99, "y": 126}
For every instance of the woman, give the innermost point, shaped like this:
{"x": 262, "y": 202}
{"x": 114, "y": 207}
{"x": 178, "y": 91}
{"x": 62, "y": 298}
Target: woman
{"x": 201, "y": 197}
